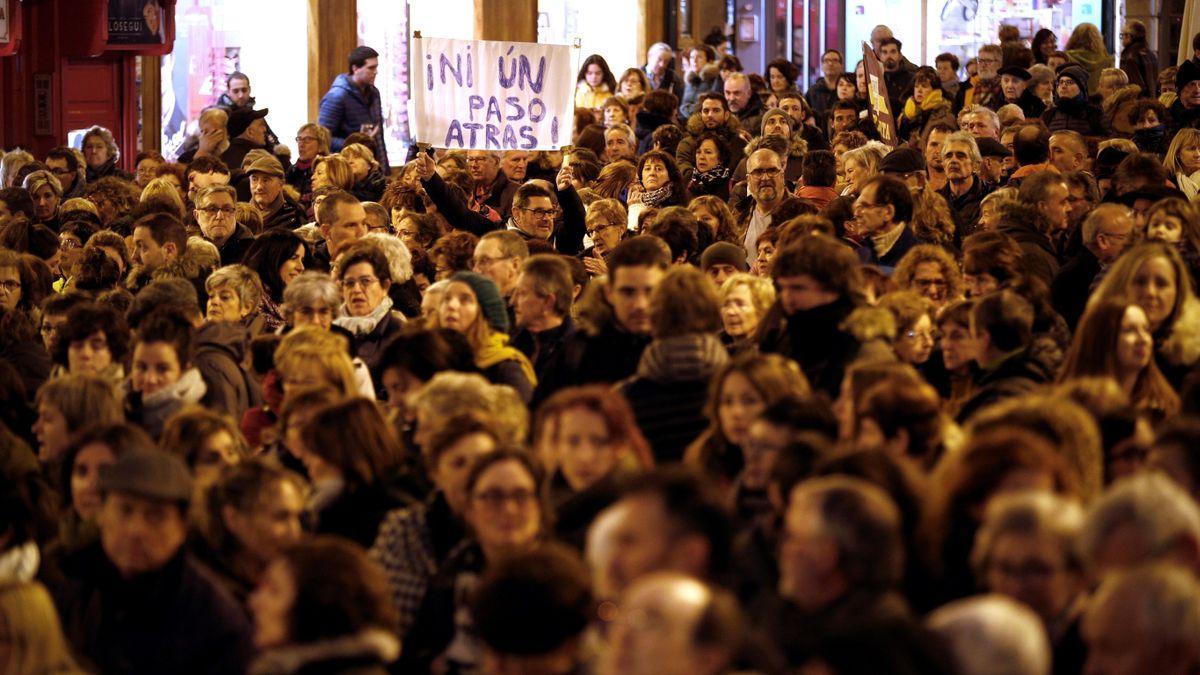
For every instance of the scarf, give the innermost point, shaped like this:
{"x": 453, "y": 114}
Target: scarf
{"x": 497, "y": 350}
{"x": 655, "y": 198}
{"x": 708, "y": 180}
{"x": 363, "y": 325}
{"x": 884, "y": 242}
{"x": 983, "y": 92}
{"x": 20, "y": 563}
{"x": 932, "y": 101}
{"x": 1189, "y": 185}
{"x": 683, "y": 358}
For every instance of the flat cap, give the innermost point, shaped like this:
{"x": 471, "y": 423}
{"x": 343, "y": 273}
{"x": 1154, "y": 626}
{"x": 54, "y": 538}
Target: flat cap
{"x": 902, "y": 160}
{"x": 152, "y": 474}
{"x": 724, "y": 253}
{"x": 266, "y": 164}
{"x": 990, "y": 147}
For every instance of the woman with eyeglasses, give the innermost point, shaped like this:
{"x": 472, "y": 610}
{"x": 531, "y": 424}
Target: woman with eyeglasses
{"x": 365, "y": 278}
{"x": 312, "y": 141}
{"x": 607, "y": 224}
{"x": 506, "y": 515}
{"x": 914, "y": 326}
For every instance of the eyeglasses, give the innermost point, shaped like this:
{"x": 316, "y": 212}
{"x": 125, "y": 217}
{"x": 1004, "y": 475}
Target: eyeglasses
{"x": 68, "y": 243}
{"x": 496, "y": 498}
{"x": 478, "y": 160}
{"x": 982, "y": 61}
{"x": 215, "y": 210}
{"x": 862, "y": 206}
{"x": 10, "y": 285}
{"x": 303, "y": 139}
{"x": 593, "y": 231}
{"x": 758, "y": 174}
{"x": 923, "y": 335}
{"x": 482, "y": 261}
{"x": 361, "y": 282}
{"x": 62, "y": 172}
{"x": 540, "y": 213}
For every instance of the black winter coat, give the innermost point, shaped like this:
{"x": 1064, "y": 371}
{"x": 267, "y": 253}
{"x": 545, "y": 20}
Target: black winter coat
{"x": 177, "y": 619}
{"x": 221, "y": 349}
{"x": 1017, "y": 374}
{"x": 815, "y": 340}
{"x": 1075, "y": 115}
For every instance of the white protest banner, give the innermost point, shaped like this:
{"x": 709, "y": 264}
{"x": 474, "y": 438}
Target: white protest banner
{"x": 488, "y": 95}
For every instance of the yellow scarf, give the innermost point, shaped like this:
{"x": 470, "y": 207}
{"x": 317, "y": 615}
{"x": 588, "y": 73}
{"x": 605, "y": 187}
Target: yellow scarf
{"x": 497, "y": 349}
{"x": 932, "y": 100}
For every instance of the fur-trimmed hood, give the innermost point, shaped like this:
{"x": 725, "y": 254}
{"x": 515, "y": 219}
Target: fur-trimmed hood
{"x": 371, "y": 645}
{"x": 695, "y": 125}
{"x": 195, "y": 265}
{"x": 1182, "y": 346}
{"x": 709, "y": 73}
{"x": 797, "y": 146}
{"x": 1117, "y": 107}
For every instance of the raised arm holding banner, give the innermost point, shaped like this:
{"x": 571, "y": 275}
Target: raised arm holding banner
{"x": 877, "y": 100}
{"x": 488, "y": 95}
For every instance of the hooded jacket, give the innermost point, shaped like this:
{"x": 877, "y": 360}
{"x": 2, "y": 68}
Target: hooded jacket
{"x": 345, "y": 108}
{"x": 685, "y": 152}
{"x": 221, "y": 349}
{"x": 1091, "y": 62}
{"x": 152, "y": 411}
{"x": 1116, "y": 110}
{"x": 1075, "y": 114}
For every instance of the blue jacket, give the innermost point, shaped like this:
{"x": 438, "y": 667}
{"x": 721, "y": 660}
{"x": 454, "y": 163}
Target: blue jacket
{"x": 344, "y": 110}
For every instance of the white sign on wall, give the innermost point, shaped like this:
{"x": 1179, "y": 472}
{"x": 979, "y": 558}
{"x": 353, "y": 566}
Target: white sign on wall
{"x": 490, "y": 95}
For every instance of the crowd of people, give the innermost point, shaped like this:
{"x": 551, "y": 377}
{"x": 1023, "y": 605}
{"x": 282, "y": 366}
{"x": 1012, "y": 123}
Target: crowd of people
{"x": 727, "y": 385}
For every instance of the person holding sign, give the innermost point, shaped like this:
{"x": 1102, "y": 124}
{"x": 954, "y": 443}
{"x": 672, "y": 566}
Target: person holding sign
{"x": 353, "y": 104}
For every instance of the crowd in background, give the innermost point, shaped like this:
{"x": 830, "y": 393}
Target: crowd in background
{"x": 729, "y": 384}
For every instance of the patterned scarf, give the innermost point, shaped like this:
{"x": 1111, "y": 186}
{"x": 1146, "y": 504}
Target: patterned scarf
{"x": 707, "y": 180}
{"x": 655, "y": 198}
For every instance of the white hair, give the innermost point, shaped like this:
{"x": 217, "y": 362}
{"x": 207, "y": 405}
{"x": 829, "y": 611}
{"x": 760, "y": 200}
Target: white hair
{"x": 398, "y": 256}
{"x": 993, "y": 635}
{"x": 623, "y": 129}
{"x": 1157, "y": 605}
{"x": 1150, "y": 504}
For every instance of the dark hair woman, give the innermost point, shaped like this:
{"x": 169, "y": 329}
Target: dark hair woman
{"x": 322, "y": 606}
{"x": 594, "y": 84}
{"x": 277, "y": 255}
{"x": 661, "y": 182}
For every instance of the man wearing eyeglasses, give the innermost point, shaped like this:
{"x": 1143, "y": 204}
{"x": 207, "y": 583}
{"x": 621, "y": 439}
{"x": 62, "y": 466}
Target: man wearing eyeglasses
{"x": 215, "y": 214}
{"x": 883, "y": 210}
{"x": 1106, "y": 233}
{"x": 535, "y": 209}
{"x": 266, "y": 193}
{"x": 499, "y": 256}
{"x": 492, "y": 187}
{"x": 65, "y": 166}
{"x": 766, "y": 185}
{"x": 984, "y": 87}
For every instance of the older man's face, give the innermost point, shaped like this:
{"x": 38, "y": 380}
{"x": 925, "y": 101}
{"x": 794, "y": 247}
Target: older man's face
{"x": 737, "y": 93}
{"x": 765, "y": 172}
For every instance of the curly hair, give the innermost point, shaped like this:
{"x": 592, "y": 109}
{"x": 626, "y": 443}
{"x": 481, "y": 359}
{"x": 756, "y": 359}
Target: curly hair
{"x": 929, "y": 253}
{"x": 87, "y": 319}
{"x": 122, "y": 194}
{"x": 456, "y": 249}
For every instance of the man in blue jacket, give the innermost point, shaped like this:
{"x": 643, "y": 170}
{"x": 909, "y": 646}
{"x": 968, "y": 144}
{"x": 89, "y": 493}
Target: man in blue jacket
{"x": 353, "y": 104}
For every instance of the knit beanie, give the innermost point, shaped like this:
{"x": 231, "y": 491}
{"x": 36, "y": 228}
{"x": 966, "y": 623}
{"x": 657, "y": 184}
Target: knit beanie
{"x": 1189, "y": 71}
{"x": 488, "y": 297}
{"x": 1077, "y": 73}
{"x": 724, "y": 253}
{"x": 772, "y": 113}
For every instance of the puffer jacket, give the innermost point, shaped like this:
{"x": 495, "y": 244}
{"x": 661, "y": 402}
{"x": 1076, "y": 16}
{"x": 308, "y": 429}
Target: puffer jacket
{"x": 345, "y": 108}
{"x": 1075, "y": 114}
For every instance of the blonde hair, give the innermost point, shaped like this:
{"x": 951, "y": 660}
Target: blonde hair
{"x": 1184, "y": 138}
{"x": 1114, "y": 76}
{"x": 245, "y": 283}
{"x": 35, "y": 635}
{"x": 329, "y": 352}
{"x": 452, "y": 393}
{"x": 322, "y": 134}
{"x": 1087, "y": 37}
{"x": 362, "y": 152}
{"x": 337, "y": 169}
{"x": 762, "y": 291}
{"x": 83, "y": 400}
{"x": 1122, "y": 144}
{"x": 162, "y": 189}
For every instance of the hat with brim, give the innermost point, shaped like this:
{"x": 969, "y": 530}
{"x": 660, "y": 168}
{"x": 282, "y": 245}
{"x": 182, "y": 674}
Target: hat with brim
{"x": 1016, "y": 71}
{"x": 902, "y": 160}
{"x": 724, "y": 253}
{"x": 240, "y": 120}
{"x": 268, "y": 165}
{"x": 152, "y": 474}
{"x": 990, "y": 147}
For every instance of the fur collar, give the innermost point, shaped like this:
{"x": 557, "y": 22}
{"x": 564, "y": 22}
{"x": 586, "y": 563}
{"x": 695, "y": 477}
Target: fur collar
{"x": 371, "y": 643}
{"x": 797, "y": 146}
{"x": 1182, "y": 346}
{"x": 695, "y": 125}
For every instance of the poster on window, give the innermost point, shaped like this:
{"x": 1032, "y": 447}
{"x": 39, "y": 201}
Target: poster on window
{"x": 136, "y": 22}
{"x": 491, "y": 95}
{"x": 877, "y": 100}
{"x": 4, "y": 38}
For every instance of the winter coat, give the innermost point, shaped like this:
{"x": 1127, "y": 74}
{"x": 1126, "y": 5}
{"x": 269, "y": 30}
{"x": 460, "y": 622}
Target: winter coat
{"x": 1177, "y": 346}
{"x": 177, "y": 619}
{"x": 1039, "y": 259}
{"x": 364, "y": 653}
{"x": 965, "y": 208}
{"x": 413, "y": 542}
{"x": 604, "y": 353}
{"x": 671, "y": 81}
{"x": 445, "y": 622}
{"x": 457, "y": 212}
{"x": 1183, "y": 117}
{"x": 369, "y": 345}
{"x": 1073, "y": 285}
{"x": 697, "y": 84}
{"x": 1018, "y": 373}
{"x": 1030, "y": 104}
{"x": 356, "y": 512}
{"x": 669, "y": 391}
{"x": 370, "y": 188}
{"x": 105, "y": 170}
{"x": 345, "y": 108}
{"x": 235, "y": 247}
{"x": 290, "y": 215}
{"x": 979, "y": 92}
{"x": 1140, "y": 63}
{"x": 1092, "y": 62}
{"x": 914, "y": 117}
{"x": 685, "y": 152}
{"x": 591, "y": 98}
{"x": 237, "y": 151}
{"x": 751, "y": 116}
{"x": 227, "y": 103}
{"x": 815, "y": 339}
{"x": 1075, "y": 115}
{"x": 543, "y": 348}
{"x": 221, "y": 350}
{"x": 152, "y": 411}
{"x": 821, "y": 96}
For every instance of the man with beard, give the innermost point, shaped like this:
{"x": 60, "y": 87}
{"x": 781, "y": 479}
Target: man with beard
{"x": 768, "y": 192}
{"x": 984, "y": 87}
{"x": 964, "y": 190}
{"x": 898, "y": 80}
{"x": 237, "y": 95}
